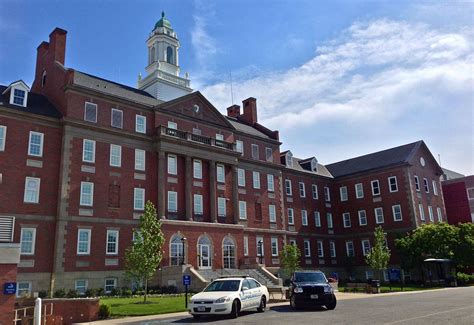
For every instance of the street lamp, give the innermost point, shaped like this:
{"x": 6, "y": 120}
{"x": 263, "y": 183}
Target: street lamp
{"x": 183, "y": 241}
{"x": 260, "y": 246}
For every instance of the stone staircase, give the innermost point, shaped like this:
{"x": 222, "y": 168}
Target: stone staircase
{"x": 257, "y": 274}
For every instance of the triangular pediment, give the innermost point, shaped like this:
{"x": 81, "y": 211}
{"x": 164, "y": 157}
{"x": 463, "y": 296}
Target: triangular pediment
{"x": 195, "y": 106}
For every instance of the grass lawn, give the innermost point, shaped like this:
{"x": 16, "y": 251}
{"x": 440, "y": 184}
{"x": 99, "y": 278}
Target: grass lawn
{"x": 135, "y": 307}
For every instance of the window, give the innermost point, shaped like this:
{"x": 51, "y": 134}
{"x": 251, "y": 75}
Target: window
{"x": 417, "y": 184}
{"x": 219, "y": 137}
{"x": 269, "y": 154}
{"x": 172, "y": 125}
{"x": 241, "y": 177}
{"x": 139, "y": 199}
{"x": 176, "y": 250}
{"x": 198, "y": 209}
{"x": 327, "y": 194}
{"x": 270, "y": 183}
{"x": 27, "y": 241}
{"x": 87, "y": 194}
{"x": 242, "y": 210}
{"x": 272, "y": 213}
{"x": 293, "y": 242}
{"x": 197, "y": 169}
{"x": 116, "y": 119}
{"x": 392, "y": 184}
{"x": 307, "y": 248}
{"x": 378, "y": 215}
{"x": 112, "y": 242}
{"x": 220, "y": 170}
{"x": 140, "y": 124}
{"x": 440, "y": 215}
{"x": 422, "y": 212}
{"x": 256, "y": 180}
{"x": 80, "y": 286}
{"x": 317, "y": 219}
{"x": 3, "y": 136}
{"x": 291, "y": 216}
{"x": 35, "y": 147}
{"x": 314, "y": 189}
{"x": 32, "y": 189}
{"x": 83, "y": 241}
{"x": 288, "y": 189}
{"x": 329, "y": 219}
{"x": 435, "y": 188}
{"x": 139, "y": 159}
{"x": 362, "y": 218}
{"x": 110, "y": 284}
{"x": 88, "y": 151}
{"x": 430, "y": 213}
{"x": 359, "y": 190}
{"x": 90, "y": 112}
{"x": 19, "y": 97}
{"x": 425, "y": 185}
{"x": 343, "y": 191}
{"x": 221, "y": 208}
{"x": 274, "y": 246}
{"x": 375, "y": 187}
{"x": 346, "y": 217}
{"x": 172, "y": 201}
{"x": 302, "y": 189}
{"x": 397, "y": 213}
{"x": 365, "y": 247}
{"x": 239, "y": 146}
{"x": 23, "y": 289}
{"x": 332, "y": 249}
{"x": 470, "y": 193}
{"x": 320, "y": 248}
{"x": 304, "y": 217}
{"x": 350, "y": 248}
{"x": 289, "y": 159}
{"x": 115, "y": 155}
{"x": 260, "y": 247}
{"x": 255, "y": 154}
{"x": 246, "y": 246}
{"x": 172, "y": 165}
{"x": 369, "y": 274}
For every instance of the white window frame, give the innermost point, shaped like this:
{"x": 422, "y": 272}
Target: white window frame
{"x": 172, "y": 125}
{"x": 24, "y": 97}
{"x": 112, "y": 156}
{"x": 274, "y": 246}
{"x": 116, "y": 242}
{"x": 171, "y": 195}
{"x": 291, "y": 216}
{"x": 426, "y": 185}
{"x": 239, "y": 146}
{"x": 220, "y": 171}
{"x": 78, "y": 287}
{"x": 82, "y": 200}
{"x": 241, "y": 177}
{"x": 172, "y": 164}
{"x": 394, "y": 213}
{"x": 332, "y": 249}
{"x": 349, "y": 248}
{"x": 288, "y": 189}
{"x": 116, "y": 110}
{"x": 346, "y": 220}
{"x": 85, "y": 112}
{"x": 362, "y": 215}
{"x": 365, "y": 246}
{"x": 377, "y": 220}
{"x": 327, "y": 194}
{"x": 422, "y": 212}
{"x": 255, "y": 153}
{"x": 307, "y": 248}
{"x": 197, "y": 168}
{"x": 41, "y": 135}
{"x": 138, "y": 195}
{"x": 256, "y": 180}
{"x": 221, "y": 206}
{"x": 269, "y": 157}
{"x": 272, "y": 213}
{"x": 302, "y": 189}
{"x": 435, "y": 187}
{"x": 137, "y": 129}
{"x": 114, "y": 285}
{"x": 372, "y": 183}
{"x": 28, "y": 291}
{"x": 140, "y": 159}
{"x": 3, "y": 138}
{"x": 198, "y": 207}
{"x": 430, "y": 213}
{"x": 260, "y": 248}
{"x": 270, "y": 183}
{"x": 417, "y": 183}
{"x": 314, "y": 189}
{"x": 320, "y": 246}
{"x": 23, "y": 241}
{"x": 329, "y": 220}
{"x": 219, "y": 137}
{"x": 36, "y": 190}
{"x": 317, "y": 219}
{"x": 242, "y": 210}
{"x": 246, "y": 245}
{"x": 343, "y": 193}
{"x": 84, "y": 159}
{"x": 359, "y": 189}
{"x": 88, "y": 251}
{"x": 390, "y": 184}
{"x": 304, "y": 217}
{"x": 440, "y": 214}
{"x": 369, "y": 274}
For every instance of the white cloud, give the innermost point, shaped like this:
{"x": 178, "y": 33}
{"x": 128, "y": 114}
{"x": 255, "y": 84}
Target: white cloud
{"x": 383, "y": 82}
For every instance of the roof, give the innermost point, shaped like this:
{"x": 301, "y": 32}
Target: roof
{"x": 321, "y": 170}
{"x": 385, "y": 158}
{"x": 36, "y": 104}
{"x": 246, "y": 128}
{"x": 451, "y": 174}
{"x": 114, "y": 89}
{"x": 163, "y": 22}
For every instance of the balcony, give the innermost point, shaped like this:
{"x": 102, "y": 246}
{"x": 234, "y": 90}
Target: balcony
{"x": 163, "y": 130}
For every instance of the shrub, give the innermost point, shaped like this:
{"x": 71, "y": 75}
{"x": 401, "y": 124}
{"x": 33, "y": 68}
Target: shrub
{"x": 464, "y": 279}
{"x": 100, "y": 292}
{"x": 126, "y": 292}
{"x": 116, "y": 292}
{"x": 60, "y": 293}
{"x": 72, "y": 294}
{"x": 104, "y": 311}
{"x": 91, "y": 293}
{"x": 42, "y": 294}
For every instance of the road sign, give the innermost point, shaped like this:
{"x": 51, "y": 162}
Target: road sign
{"x": 9, "y": 288}
{"x": 186, "y": 280}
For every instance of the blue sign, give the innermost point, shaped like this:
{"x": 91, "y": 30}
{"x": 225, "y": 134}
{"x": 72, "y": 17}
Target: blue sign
{"x": 9, "y": 288}
{"x": 394, "y": 274}
{"x": 186, "y": 280}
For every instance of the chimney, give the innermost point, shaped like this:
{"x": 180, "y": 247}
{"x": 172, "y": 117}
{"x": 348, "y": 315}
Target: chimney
{"x": 250, "y": 110}
{"x": 233, "y": 111}
{"x": 57, "y": 45}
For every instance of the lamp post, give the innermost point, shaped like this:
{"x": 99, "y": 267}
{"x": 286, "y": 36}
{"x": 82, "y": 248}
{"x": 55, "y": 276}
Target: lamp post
{"x": 183, "y": 241}
{"x": 260, "y": 246}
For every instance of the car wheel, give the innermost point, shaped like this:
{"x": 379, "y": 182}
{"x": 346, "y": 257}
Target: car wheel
{"x": 235, "y": 309}
{"x": 293, "y": 302}
{"x": 263, "y": 305}
{"x": 197, "y": 317}
{"x": 332, "y": 305}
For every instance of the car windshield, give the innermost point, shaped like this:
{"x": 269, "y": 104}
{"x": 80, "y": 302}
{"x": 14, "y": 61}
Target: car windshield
{"x": 223, "y": 285}
{"x": 315, "y": 277}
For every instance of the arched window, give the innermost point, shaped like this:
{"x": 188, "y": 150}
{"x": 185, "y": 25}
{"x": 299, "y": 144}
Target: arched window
{"x": 152, "y": 54}
{"x": 176, "y": 250}
{"x": 169, "y": 55}
{"x": 228, "y": 252}
{"x": 204, "y": 252}
{"x": 43, "y": 79}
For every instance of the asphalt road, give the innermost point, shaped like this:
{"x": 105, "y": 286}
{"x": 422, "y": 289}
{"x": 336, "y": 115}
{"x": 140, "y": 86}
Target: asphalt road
{"x": 450, "y": 306}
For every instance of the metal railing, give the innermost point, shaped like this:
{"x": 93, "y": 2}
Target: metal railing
{"x": 188, "y": 136}
{"x": 25, "y": 315}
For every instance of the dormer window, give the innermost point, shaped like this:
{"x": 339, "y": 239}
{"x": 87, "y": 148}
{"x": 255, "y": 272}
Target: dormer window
{"x": 289, "y": 159}
{"x": 18, "y": 93}
{"x": 314, "y": 165}
{"x": 19, "y": 97}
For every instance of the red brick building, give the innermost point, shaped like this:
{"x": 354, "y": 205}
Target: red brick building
{"x": 80, "y": 156}
{"x": 459, "y": 199}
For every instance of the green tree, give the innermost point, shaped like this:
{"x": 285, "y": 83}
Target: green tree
{"x": 290, "y": 258}
{"x": 143, "y": 257}
{"x": 464, "y": 251}
{"x": 379, "y": 254}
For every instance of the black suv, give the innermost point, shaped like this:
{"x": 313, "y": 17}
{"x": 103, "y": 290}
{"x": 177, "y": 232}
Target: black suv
{"x": 311, "y": 288}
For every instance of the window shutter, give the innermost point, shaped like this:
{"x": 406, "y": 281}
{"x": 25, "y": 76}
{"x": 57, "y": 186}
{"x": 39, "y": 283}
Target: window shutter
{"x": 7, "y": 226}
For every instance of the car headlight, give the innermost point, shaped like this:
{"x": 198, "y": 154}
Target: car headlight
{"x": 327, "y": 289}
{"x": 298, "y": 290}
{"x": 222, "y": 300}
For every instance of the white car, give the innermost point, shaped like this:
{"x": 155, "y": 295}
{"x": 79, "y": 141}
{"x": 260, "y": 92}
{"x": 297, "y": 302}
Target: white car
{"x": 229, "y": 296}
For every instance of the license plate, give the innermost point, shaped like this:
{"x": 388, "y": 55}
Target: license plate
{"x": 201, "y": 308}
{"x": 314, "y": 296}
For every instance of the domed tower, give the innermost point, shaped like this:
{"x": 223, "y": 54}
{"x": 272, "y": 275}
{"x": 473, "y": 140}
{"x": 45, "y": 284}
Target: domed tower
{"x": 163, "y": 80}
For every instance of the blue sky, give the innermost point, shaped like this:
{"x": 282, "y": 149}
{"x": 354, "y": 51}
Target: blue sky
{"x": 337, "y": 78}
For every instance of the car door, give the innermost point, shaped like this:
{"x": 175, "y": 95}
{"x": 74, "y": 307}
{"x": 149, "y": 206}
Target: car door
{"x": 256, "y": 293}
{"x": 246, "y": 294}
